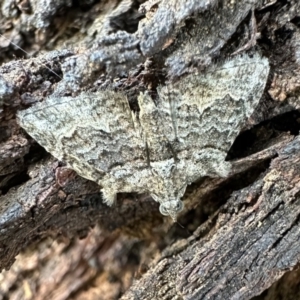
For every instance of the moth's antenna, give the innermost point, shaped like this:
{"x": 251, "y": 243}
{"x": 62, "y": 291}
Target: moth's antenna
{"x": 180, "y": 225}
{"x": 18, "y": 47}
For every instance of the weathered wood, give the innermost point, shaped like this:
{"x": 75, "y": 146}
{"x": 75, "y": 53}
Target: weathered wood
{"x": 251, "y": 236}
{"x": 252, "y": 241}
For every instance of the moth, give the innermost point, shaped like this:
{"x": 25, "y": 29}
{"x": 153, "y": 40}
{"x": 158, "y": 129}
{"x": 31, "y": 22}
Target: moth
{"x": 171, "y": 142}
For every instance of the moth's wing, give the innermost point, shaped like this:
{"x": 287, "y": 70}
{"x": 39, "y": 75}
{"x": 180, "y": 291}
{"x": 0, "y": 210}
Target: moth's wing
{"x": 206, "y": 112}
{"x": 153, "y": 130}
{"x": 96, "y": 134}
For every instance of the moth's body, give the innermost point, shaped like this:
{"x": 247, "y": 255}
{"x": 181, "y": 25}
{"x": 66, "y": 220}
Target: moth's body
{"x": 161, "y": 180}
{"x": 163, "y": 148}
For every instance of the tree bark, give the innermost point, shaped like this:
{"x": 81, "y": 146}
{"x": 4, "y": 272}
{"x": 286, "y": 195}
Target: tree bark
{"x": 237, "y": 237}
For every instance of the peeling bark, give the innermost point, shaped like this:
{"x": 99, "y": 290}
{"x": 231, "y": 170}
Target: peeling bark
{"x": 252, "y": 241}
{"x": 240, "y": 234}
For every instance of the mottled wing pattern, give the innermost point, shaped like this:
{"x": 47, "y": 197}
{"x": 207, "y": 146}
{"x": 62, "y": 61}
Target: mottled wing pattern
{"x": 204, "y": 113}
{"x": 93, "y": 133}
{"x": 184, "y": 135}
{"x": 156, "y": 133}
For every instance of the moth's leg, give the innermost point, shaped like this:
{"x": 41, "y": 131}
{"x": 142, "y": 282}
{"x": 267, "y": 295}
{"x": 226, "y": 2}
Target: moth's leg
{"x": 109, "y": 196}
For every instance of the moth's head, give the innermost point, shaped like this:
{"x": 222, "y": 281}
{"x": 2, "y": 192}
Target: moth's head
{"x": 171, "y": 208}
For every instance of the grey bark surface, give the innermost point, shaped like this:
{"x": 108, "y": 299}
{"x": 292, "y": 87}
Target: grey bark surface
{"x": 240, "y": 234}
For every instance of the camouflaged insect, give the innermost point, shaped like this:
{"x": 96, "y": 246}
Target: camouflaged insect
{"x": 163, "y": 148}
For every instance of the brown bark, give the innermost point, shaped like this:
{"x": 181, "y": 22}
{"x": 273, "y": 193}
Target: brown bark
{"x": 237, "y": 235}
